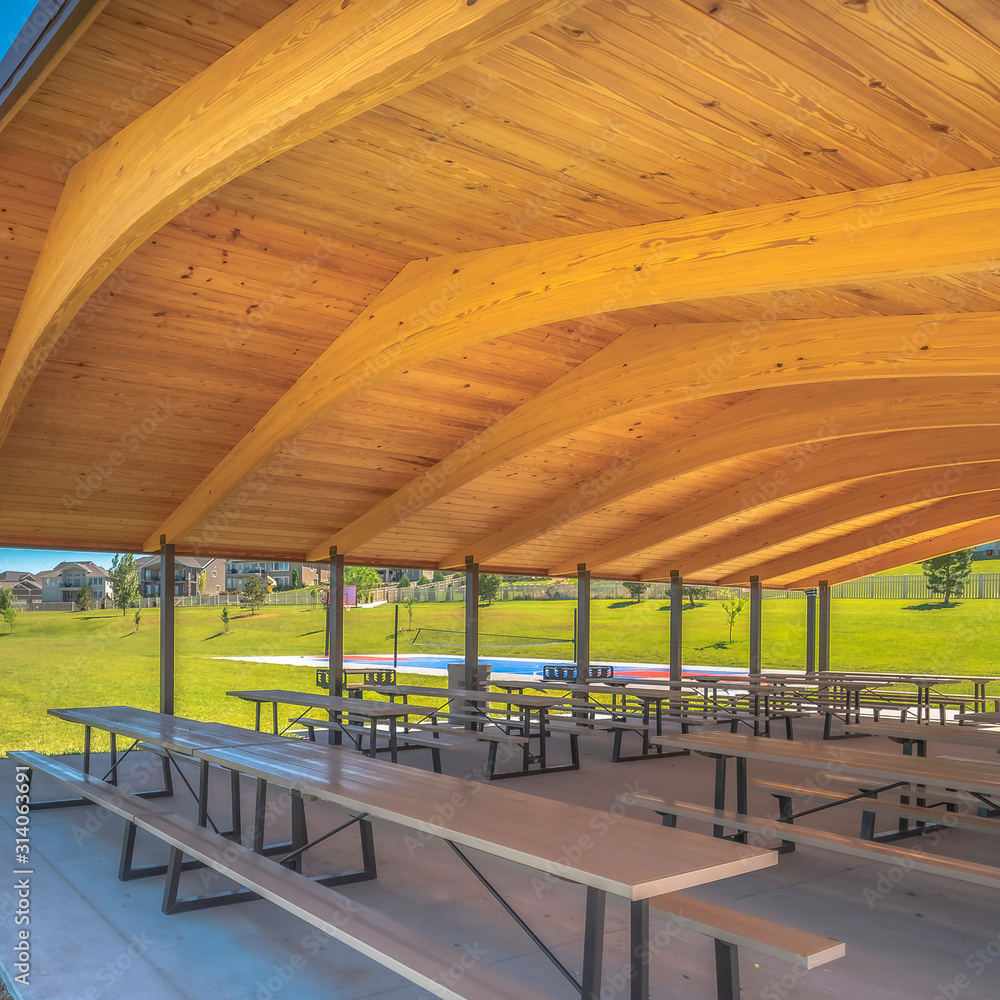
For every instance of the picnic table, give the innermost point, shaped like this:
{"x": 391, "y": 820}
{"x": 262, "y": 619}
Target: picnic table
{"x": 982, "y": 780}
{"x": 626, "y": 858}
{"x": 913, "y": 735}
{"x": 471, "y": 708}
{"x": 633, "y": 860}
{"x": 340, "y": 709}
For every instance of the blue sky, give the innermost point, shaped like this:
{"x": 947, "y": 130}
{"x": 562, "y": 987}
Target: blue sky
{"x": 12, "y": 16}
{"x": 39, "y": 560}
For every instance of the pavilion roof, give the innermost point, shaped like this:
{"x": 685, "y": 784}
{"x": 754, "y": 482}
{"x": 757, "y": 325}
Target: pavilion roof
{"x": 688, "y": 285}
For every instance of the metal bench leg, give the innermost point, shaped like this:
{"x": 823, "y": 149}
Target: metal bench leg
{"x": 436, "y": 760}
{"x": 300, "y": 837}
{"x": 727, "y": 971}
{"x": 367, "y": 849}
{"x": 616, "y": 747}
{"x": 235, "y": 804}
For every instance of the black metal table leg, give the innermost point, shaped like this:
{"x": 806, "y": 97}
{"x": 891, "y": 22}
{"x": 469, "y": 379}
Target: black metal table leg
{"x": 203, "y": 793}
{"x": 86, "y": 749}
{"x": 720, "y": 790}
{"x": 259, "y": 812}
{"x": 639, "y": 949}
{"x": 593, "y": 944}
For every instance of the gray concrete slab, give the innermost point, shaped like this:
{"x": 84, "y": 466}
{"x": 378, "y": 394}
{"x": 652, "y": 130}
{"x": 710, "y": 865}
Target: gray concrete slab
{"x": 95, "y": 938}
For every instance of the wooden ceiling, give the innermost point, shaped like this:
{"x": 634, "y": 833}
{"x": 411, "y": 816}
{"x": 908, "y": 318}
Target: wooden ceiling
{"x": 698, "y": 285}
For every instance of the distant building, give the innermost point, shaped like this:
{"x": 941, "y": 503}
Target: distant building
{"x": 306, "y": 574}
{"x": 27, "y": 589}
{"x": 187, "y": 569}
{"x": 63, "y": 583}
{"x": 988, "y": 550}
{"x": 394, "y": 575}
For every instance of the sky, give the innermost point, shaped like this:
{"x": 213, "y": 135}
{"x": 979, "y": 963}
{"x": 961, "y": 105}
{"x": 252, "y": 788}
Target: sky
{"x": 12, "y": 15}
{"x": 39, "y": 560}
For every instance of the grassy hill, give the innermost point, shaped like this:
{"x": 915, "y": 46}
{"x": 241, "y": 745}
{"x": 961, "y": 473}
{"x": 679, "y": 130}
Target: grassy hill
{"x": 68, "y": 659}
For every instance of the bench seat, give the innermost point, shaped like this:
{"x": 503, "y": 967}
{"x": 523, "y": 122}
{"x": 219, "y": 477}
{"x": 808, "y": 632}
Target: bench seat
{"x": 921, "y": 814}
{"x": 418, "y": 959}
{"x": 791, "y": 834}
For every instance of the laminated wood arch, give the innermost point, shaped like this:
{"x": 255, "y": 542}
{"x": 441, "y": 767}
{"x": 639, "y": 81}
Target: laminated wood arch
{"x": 827, "y": 512}
{"x": 771, "y": 419}
{"x": 836, "y": 462}
{"x": 629, "y": 374}
{"x": 899, "y": 554}
{"x": 314, "y": 66}
{"x": 934, "y": 226}
{"x": 932, "y": 516}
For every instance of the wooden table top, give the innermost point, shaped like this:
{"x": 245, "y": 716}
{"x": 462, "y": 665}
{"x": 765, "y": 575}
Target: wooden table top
{"x": 168, "y": 731}
{"x": 972, "y": 777}
{"x": 621, "y": 855}
{"x": 329, "y": 702}
{"x": 988, "y": 739}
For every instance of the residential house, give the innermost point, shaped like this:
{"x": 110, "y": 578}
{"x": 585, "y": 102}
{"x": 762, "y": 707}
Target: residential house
{"x": 306, "y": 574}
{"x": 27, "y": 589}
{"x": 63, "y": 583}
{"x": 187, "y": 570}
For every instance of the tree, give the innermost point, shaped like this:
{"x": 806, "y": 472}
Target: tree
{"x": 10, "y": 617}
{"x": 409, "y": 612}
{"x": 695, "y": 594}
{"x": 85, "y": 598}
{"x": 948, "y": 574}
{"x": 438, "y": 576}
{"x": 489, "y": 586}
{"x": 295, "y": 578}
{"x": 138, "y": 616}
{"x": 6, "y": 598}
{"x": 124, "y": 581}
{"x": 202, "y": 579}
{"x": 225, "y": 618}
{"x": 364, "y": 578}
{"x": 732, "y": 608}
{"x": 636, "y": 590}
{"x": 253, "y": 594}
{"x": 404, "y": 581}
{"x": 313, "y": 597}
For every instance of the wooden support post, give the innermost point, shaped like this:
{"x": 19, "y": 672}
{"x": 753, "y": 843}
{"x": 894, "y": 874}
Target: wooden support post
{"x": 756, "y": 599}
{"x": 471, "y": 624}
{"x": 582, "y": 621}
{"x": 824, "y": 625}
{"x": 811, "y": 631}
{"x": 676, "y": 625}
{"x": 166, "y": 627}
{"x": 335, "y": 635}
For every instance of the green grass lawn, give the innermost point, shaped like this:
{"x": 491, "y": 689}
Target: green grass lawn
{"x": 75, "y": 659}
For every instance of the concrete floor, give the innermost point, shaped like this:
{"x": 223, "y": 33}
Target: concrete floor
{"x": 95, "y": 938}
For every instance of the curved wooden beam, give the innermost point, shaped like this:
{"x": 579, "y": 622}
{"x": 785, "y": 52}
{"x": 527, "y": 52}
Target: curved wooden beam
{"x": 770, "y": 418}
{"x": 933, "y": 226}
{"x": 316, "y": 65}
{"x": 826, "y": 512}
{"x": 628, "y": 374}
{"x": 932, "y": 516}
{"x": 963, "y": 537}
{"x": 836, "y": 462}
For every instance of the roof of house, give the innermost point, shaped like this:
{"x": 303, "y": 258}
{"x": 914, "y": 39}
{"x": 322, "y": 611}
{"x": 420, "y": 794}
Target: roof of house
{"x": 672, "y": 286}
